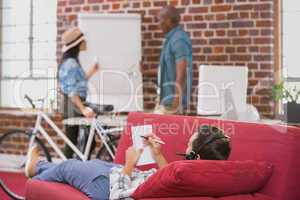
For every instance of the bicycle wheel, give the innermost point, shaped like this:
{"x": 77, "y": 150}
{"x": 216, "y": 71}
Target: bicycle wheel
{"x": 13, "y": 149}
{"x": 103, "y": 154}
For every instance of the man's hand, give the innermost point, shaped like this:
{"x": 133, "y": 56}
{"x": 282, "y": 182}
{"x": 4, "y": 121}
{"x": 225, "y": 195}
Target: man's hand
{"x": 132, "y": 156}
{"x": 154, "y": 146}
{"x": 156, "y": 150}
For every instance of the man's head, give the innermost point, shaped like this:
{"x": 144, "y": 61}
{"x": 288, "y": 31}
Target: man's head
{"x": 209, "y": 143}
{"x": 168, "y": 18}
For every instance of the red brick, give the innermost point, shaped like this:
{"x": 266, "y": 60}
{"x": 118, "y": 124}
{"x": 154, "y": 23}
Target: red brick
{"x": 146, "y": 4}
{"x": 174, "y": 3}
{"x": 61, "y": 3}
{"x": 68, "y": 9}
{"x": 221, "y": 33}
{"x": 263, "y": 7}
{"x": 196, "y": 1}
{"x": 219, "y": 50}
{"x": 240, "y": 58}
{"x": 243, "y": 7}
{"x": 198, "y": 18}
{"x": 199, "y": 42}
{"x": 241, "y": 24}
{"x": 197, "y": 33}
{"x": 105, "y": 7}
{"x": 230, "y": 49}
{"x": 264, "y": 23}
{"x": 218, "y": 58}
{"x": 75, "y": 2}
{"x": 263, "y": 58}
{"x": 136, "y": 5}
{"x": 265, "y": 49}
{"x": 231, "y": 16}
{"x": 263, "y": 40}
{"x": 244, "y": 15}
{"x": 96, "y": 8}
{"x": 209, "y": 33}
{"x": 219, "y": 1}
{"x": 219, "y": 25}
{"x": 95, "y": 1}
{"x": 221, "y": 8}
{"x": 197, "y": 26}
{"x": 160, "y": 3}
{"x": 116, "y": 6}
{"x": 241, "y": 41}
{"x": 265, "y": 66}
{"x": 185, "y": 2}
{"x": 220, "y": 17}
{"x": 198, "y": 10}
{"x": 187, "y": 18}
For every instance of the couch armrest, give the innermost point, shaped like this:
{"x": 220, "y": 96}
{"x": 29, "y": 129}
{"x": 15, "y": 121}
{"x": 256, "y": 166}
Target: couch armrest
{"x": 36, "y": 190}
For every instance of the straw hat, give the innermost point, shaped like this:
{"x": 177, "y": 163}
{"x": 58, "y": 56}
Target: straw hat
{"x": 71, "y": 38}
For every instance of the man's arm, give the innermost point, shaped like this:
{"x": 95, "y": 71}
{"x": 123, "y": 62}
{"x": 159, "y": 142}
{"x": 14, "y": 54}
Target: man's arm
{"x": 181, "y": 68}
{"x": 160, "y": 161}
{"x": 132, "y": 156}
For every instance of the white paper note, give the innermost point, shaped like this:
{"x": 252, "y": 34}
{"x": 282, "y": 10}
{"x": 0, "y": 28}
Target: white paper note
{"x": 137, "y": 132}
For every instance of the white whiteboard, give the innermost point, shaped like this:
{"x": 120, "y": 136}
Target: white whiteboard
{"x": 115, "y": 39}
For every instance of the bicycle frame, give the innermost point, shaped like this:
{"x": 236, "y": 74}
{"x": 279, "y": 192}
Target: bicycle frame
{"x": 95, "y": 126}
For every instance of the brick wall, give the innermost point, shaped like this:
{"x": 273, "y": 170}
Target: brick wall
{"x": 224, "y": 32}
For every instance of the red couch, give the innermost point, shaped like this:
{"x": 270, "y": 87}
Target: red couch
{"x": 279, "y": 145}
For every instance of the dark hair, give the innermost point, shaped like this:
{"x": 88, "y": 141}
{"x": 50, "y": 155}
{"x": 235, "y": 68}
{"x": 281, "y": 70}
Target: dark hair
{"x": 72, "y": 53}
{"x": 211, "y": 144}
{"x": 172, "y": 13}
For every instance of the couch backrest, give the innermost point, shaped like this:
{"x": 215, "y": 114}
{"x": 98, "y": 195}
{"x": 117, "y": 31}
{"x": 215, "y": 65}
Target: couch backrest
{"x": 279, "y": 145}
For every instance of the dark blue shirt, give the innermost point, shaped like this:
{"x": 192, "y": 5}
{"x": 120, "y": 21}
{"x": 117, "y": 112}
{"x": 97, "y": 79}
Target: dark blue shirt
{"x": 177, "y": 47}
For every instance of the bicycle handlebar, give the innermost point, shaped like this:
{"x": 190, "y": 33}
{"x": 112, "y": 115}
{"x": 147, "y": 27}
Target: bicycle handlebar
{"x": 30, "y": 101}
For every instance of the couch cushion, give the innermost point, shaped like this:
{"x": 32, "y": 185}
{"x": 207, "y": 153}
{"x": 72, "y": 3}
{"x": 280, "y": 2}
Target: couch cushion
{"x": 36, "y": 190}
{"x": 206, "y": 178}
{"x": 235, "y": 197}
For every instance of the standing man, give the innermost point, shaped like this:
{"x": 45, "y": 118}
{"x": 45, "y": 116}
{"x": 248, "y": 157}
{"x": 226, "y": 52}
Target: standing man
{"x": 175, "y": 70}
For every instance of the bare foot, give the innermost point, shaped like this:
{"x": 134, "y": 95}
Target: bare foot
{"x": 33, "y": 158}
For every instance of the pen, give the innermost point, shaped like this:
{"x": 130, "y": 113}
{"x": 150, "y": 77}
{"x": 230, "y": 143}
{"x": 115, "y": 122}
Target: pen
{"x": 155, "y": 140}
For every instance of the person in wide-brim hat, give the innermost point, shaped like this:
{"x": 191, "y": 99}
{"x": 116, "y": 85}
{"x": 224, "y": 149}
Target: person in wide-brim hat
{"x": 72, "y": 38}
{"x": 73, "y": 81}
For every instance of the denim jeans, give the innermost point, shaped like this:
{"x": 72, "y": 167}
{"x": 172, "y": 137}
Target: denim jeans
{"x": 90, "y": 177}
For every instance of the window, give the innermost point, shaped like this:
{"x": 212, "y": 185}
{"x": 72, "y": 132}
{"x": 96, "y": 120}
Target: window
{"x": 290, "y": 42}
{"x": 28, "y": 51}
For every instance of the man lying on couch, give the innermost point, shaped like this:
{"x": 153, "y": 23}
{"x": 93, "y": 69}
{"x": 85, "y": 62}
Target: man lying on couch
{"x": 103, "y": 180}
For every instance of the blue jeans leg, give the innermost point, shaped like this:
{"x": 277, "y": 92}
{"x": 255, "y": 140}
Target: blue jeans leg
{"x": 98, "y": 189}
{"x": 46, "y": 171}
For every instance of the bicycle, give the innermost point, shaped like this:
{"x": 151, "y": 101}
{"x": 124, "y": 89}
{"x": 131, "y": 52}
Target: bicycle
{"x": 14, "y": 143}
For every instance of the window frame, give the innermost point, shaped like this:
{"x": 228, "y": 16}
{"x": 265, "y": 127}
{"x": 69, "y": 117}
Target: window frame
{"x": 30, "y": 59}
{"x": 279, "y": 54}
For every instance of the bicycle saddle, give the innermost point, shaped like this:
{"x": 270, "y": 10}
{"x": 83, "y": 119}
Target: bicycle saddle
{"x": 100, "y": 109}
